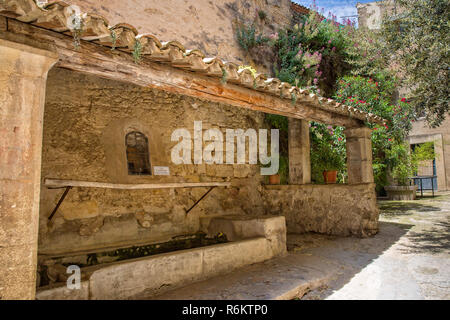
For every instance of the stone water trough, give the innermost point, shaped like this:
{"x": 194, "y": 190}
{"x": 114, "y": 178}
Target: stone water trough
{"x": 252, "y": 240}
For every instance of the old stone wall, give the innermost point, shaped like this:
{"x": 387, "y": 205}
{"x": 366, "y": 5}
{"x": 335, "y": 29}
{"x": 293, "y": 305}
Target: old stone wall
{"x": 198, "y": 24}
{"x": 330, "y": 209}
{"x": 85, "y": 122}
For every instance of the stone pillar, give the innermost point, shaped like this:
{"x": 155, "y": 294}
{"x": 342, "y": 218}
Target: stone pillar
{"x": 440, "y": 163}
{"x": 359, "y": 155}
{"x": 23, "y": 77}
{"x": 299, "y": 152}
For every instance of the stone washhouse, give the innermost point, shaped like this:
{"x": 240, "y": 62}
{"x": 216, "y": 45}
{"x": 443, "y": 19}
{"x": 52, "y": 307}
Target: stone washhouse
{"x": 68, "y": 190}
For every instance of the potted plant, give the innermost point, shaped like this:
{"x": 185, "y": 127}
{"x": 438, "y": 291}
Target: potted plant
{"x": 274, "y": 179}
{"x": 282, "y": 175}
{"x": 326, "y": 158}
{"x": 401, "y": 168}
{"x": 330, "y": 176}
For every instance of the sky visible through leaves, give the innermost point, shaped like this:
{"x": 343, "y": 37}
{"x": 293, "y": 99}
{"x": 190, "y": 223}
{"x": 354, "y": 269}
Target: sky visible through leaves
{"x": 340, "y": 8}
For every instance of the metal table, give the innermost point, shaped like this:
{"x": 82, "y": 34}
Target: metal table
{"x": 421, "y": 178}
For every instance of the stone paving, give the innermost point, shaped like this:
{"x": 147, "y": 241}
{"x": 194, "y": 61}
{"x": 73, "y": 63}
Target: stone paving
{"x": 407, "y": 259}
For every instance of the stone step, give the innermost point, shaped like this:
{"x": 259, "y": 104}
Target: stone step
{"x": 281, "y": 278}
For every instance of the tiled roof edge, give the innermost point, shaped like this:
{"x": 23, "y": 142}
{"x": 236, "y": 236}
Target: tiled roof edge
{"x": 57, "y": 16}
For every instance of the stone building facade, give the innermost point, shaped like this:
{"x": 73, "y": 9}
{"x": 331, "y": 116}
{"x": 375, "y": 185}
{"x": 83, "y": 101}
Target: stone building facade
{"x": 67, "y": 112}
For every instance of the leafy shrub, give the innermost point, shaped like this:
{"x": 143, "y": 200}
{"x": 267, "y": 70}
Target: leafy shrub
{"x": 375, "y": 96}
{"x": 248, "y": 38}
{"x": 262, "y": 14}
{"x": 401, "y": 163}
{"x": 328, "y": 151}
{"x": 417, "y": 43}
{"x": 312, "y": 53}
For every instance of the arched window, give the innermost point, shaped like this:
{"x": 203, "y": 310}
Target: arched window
{"x": 138, "y": 158}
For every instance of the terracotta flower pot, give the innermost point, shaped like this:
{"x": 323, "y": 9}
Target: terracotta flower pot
{"x": 330, "y": 176}
{"x": 274, "y": 179}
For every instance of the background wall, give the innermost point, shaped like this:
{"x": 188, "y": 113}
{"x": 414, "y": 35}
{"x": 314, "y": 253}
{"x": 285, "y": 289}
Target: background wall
{"x": 198, "y": 24}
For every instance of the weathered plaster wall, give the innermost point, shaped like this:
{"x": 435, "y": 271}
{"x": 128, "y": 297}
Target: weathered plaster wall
{"x": 85, "y": 123}
{"x": 330, "y": 209}
{"x": 198, "y": 24}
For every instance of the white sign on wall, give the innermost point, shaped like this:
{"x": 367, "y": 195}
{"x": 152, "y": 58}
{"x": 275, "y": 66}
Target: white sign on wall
{"x": 161, "y": 171}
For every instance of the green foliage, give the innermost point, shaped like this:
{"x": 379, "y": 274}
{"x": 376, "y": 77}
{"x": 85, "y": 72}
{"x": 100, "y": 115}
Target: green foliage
{"x": 367, "y": 55}
{"x": 328, "y": 151}
{"x": 248, "y": 37}
{"x": 114, "y": 39}
{"x": 420, "y": 36}
{"x": 262, "y": 14}
{"x": 284, "y": 169}
{"x": 404, "y": 163}
{"x": 277, "y": 122}
{"x": 380, "y": 176}
{"x": 401, "y": 163}
{"x": 281, "y": 123}
{"x": 293, "y": 99}
{"x": 424, "y": 152}
{"x": 224, "y": 78}
{"x": 375, "y": 96}
{"x": 137, "y": 52}
{"x": 312, "y": 53}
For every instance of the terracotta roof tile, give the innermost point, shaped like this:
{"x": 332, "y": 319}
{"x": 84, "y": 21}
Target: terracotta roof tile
{"x": 56, "y": 16}
{"x": 299, "y": 8}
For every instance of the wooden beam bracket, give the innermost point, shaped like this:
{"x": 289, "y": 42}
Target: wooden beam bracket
{"x": 59, "y": 202}
{"x": 198, "y": 201}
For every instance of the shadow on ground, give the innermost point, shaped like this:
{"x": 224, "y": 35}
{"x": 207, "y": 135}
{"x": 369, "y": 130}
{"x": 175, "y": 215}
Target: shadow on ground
{"x": 397, "y": 208}
{"x": 351, "y": 253}
{"x": 433, "y": 240}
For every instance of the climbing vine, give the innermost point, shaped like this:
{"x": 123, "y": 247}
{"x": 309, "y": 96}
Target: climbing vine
{"x": 114, "y": 40}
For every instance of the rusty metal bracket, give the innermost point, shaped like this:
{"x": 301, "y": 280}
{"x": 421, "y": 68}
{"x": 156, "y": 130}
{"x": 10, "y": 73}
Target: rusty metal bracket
{"x": 59, "y": 202}
{"x": 193, "y": 206}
